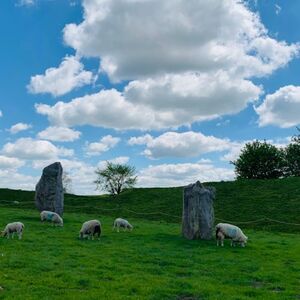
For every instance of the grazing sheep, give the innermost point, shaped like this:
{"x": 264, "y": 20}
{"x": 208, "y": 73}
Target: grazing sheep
{"x": 119, "y": 222}
{"x": 90, "y": 229}
{"x": 52, "y": 217}
{"x": 229, "y": 231}
{"x": 11, "y": 228}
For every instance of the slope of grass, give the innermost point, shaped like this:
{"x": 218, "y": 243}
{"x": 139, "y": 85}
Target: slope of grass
{"x": 152, "y": 262}
{"x": 236, "y": 201}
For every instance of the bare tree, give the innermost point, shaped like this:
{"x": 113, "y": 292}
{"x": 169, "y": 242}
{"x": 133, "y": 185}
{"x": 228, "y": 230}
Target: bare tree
{"x": 114, "y": 178}
{"x": 67, "y": 182}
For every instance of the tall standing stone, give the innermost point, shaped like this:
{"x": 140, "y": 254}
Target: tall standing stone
{"x": 198, "y": 211}
{"x": 49, "y": 193}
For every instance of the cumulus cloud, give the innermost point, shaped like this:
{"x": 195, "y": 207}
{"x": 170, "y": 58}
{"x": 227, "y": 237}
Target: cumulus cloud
{"x": 192, "y": 96}
{"x": 19, "y": 127}
{"x": 194, "y": 65}
{"x": 10, "y": 162}
{"x": 140, "y": 140}
{"x": 104, "y": 109}
{"x": 281, "y": 108}
{"x": 166, "y": 175}
{"x": 14, "y": 180}
{"x": 106, "y": 143}
{"x": 1, "y": 114}
{"x": 195, "y": 36}
{"x": 186, "y": 144}
{"x": 162, "y": 107}
{"x": 28, "y": 148}
{"x": 59, "y": 134}
{"x": 58, "y": 81}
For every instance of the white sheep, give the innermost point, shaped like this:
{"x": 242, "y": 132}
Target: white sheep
{"x": 119, "y": 222}
{"x": 229, "y": 231}
{"x": 90, "y": 229}
{"x": 51, "y": 217}
{"x": 12, "y": 228}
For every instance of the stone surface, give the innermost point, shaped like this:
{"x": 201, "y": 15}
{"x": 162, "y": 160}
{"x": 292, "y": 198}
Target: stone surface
{"x": 198, "y": 211}
{"x": 49, "y": 190}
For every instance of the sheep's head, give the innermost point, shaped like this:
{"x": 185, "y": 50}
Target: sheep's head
{"x": 130, "y": 227}
{"x": 3, "y": 233}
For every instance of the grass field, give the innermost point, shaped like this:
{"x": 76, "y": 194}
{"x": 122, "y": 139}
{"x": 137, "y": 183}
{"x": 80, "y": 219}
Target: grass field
{"x": 154, "y": 261}
{"x": 151, "y": 262}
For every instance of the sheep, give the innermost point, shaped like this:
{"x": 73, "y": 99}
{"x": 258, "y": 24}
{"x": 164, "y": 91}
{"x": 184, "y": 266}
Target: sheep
{"x": 229, "y": 231}
{"x": 52, "y": 217}
{"x": 11, "y": 228}
{"x": 119, "y": 222}
{"x": 90, "y": 229}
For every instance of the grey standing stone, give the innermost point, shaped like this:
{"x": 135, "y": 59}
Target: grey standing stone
{"x": 49, "y": 193}
{"x": 198, "y": 211}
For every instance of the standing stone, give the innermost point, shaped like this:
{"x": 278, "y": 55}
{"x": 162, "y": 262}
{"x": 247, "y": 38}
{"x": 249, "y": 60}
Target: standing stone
{"x": 198, "y": 211}
{"x": 49, "y": 190}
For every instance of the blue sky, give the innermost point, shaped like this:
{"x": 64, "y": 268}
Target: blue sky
{"x": 174, "y": 88}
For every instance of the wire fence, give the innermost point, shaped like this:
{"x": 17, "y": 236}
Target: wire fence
{"x": 119, "y": 208}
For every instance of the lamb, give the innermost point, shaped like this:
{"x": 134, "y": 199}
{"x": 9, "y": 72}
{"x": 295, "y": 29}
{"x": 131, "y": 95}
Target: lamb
{"x": 52, "y": 217}
{"x": 119, "y": 222}
{"x": 90, "y": 229}
{"x": 12, "y": 228}
{"x": 229, "y": 231}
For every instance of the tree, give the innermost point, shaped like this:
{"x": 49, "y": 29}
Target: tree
{"x": 292, "y": 156}
{"x": 67, "y": 182}
{"x": 259, "y": 160}
{"x": 114, "y": 178}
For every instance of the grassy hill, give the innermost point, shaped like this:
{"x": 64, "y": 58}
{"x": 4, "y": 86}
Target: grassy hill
{"x": 153, "y": 261}
{"x": 238, "y": 201}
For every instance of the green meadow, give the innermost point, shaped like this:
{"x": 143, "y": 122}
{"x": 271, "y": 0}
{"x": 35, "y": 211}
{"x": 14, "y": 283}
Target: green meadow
{"x": 154, "y": 261}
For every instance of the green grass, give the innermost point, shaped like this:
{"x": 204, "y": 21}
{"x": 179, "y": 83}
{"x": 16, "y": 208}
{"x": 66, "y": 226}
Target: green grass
{"x": 154, "y": 261}
{"x": 236, "y": 201}
{"x": 151, "y": 262}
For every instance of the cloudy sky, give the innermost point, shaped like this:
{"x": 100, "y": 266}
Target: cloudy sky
{"x": 173, "y": 87}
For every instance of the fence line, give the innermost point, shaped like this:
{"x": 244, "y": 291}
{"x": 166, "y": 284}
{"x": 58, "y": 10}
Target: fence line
{"x": 166, "y": 214}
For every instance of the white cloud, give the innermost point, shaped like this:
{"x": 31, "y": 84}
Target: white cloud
{"x": 10, "y": 162}
{"x": 28, "y": 148}
{"x": 176, "y": 36}
{"x": 118, "y": 160}
{"x": 152, "y": 107}
{"x": 106, "y": 143}
{"x": 277, "y": 9}
{"x": 195, "y": 64}
{"x": 186, "y": 144}
{"x": 189, "y": 97}
{"x": 236, "y": 147}
{"x": 106, "y": 109}
{"x": 59, "y": 134}
{"x": 182, "y": 174}
{"x": 19, "y": 127}
{"x": 59, "y": 81}
{"x": 14, "y": 180}
{"x": 26, "y": 2}
{"x": 1, "y": 114}
{"x": 281, "y": 108}
{"x": 140, "y": 140}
